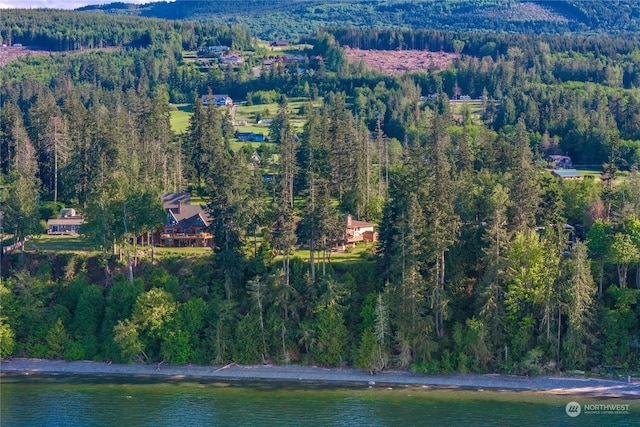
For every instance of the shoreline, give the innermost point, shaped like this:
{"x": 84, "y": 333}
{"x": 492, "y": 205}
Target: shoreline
{"x": 293, "y": 374}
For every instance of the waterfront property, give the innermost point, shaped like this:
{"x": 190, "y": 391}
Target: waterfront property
{"x": 359, "y": 231}
{"x": 68, "y": 223}
{"x": 185, "y": 224}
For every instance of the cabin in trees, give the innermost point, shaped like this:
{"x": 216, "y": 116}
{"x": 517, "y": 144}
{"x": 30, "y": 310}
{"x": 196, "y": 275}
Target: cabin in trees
{"x": 359, "y": 231}
{"x": 571, "y": 174}
{"x": 186, "y": 224}
{"x": 217, "y": 100}
{"x": 68, "y": 223}
{"x": 560, "y": 162}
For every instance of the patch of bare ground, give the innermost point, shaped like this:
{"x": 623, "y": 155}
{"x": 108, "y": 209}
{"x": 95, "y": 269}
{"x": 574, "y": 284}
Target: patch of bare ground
{"x": 526, "y": 11}
{"x": 11, "y": 53}
{"x": 401, "y": 61}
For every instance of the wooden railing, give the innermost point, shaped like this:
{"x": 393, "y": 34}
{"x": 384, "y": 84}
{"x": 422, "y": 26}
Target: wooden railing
{"x": 185, "y": 236}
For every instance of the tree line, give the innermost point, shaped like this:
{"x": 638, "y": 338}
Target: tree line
{"x": 276, "y": 19}
{"x": 475, "y": 269}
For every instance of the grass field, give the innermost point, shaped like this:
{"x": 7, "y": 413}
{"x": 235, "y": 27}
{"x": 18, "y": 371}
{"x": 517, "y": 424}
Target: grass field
{"x": 180, "y": 118}
{"x": 592, "y": 173}
{"x": 475, "y": 108}
{"x": 60, "y": 243}
{"x": 76, "y": 244}
{"x": 64, "y": 243}
{"x": 351, "y": 254}
{"x": 182, "y": 113}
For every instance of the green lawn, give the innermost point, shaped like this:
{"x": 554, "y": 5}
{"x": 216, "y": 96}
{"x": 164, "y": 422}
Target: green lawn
{"x": 64, "y": 243}
{"x": 180, "y": 118}
{"x": 350, "y": 255}
{"x": 591, "y": 173}
{"x": 160, "y": 252}
{"x": 182, "y": 112}
{"x": 61, "y": 243}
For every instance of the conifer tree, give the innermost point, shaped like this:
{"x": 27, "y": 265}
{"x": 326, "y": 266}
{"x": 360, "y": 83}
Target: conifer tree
{"x": 580, "y": 289}
{"x": 444, "y": 222}
{"x": 524, "y": 188}
{"x": 497, "y": 238}
{"x": 282, "y": 134}
{"x": 21, "y": 216}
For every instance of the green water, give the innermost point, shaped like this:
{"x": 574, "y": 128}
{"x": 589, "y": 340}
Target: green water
{"x": 98, "y": 401}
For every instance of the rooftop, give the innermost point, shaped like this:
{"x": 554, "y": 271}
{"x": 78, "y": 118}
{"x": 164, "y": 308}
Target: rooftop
{"x": 566, "y": 173}
{"x": 173, "y": 200}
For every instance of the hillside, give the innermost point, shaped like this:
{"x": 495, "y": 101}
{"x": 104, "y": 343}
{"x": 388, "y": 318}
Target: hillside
{"x": 290, "y": 19}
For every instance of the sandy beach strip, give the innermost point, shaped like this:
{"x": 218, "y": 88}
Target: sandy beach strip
{"x": 336, "y": 376}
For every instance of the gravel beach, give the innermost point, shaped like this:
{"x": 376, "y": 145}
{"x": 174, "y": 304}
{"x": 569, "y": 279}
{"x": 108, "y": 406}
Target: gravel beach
{"x": 337, "y": 376}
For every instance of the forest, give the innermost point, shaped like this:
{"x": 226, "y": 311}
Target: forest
{"x": 276, "y": 19}
{"x": 485, "y": 262}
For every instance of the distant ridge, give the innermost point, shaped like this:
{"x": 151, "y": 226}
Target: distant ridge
{"x": 293, "y": 18}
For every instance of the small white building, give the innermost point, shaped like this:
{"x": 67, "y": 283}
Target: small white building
{"x": 65, "y": 225}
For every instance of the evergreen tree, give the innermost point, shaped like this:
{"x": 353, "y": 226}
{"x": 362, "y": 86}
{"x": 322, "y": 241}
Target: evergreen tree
{"x": 282, "y": 134}
{"x": 227, "y": 189}
{"x": 579, "y": 293}
{"x": 21, "y": 215}
{"x": 497, "y": 238}
{"x": 524, "y": 188}
{"x": 444, "y": 222}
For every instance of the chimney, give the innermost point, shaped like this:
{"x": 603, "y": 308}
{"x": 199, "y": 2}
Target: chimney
{"x": 349, "y": 220}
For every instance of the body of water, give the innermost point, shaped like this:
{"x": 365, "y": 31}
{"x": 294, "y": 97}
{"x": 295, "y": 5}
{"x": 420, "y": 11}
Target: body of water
{"x": 40, "y": 400}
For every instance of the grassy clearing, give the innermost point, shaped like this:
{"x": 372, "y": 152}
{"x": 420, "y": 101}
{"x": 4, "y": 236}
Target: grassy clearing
{"x": 145, "y": 252}
{"x": 179, "y": 118}
{"x": 60, "y": 243}
{"x": 474, "y": 107}
{"x": 63, "y": 243}
{"x": 591, "y": 173}
{"x": 76, "y": 244}
{"x": 360, "y": 252}
{"x": 235, "y": 146}
{"x": 181, "y": 114}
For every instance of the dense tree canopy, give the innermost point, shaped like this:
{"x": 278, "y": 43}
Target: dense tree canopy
{"x": 480, "y": 263}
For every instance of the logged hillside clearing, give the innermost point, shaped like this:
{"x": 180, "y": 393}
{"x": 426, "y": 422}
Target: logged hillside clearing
{"x": 11, "y": 53}
{"x": 401, "y": 61}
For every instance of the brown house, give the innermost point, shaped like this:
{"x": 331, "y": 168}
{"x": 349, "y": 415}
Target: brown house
{"x": 359, "y": 231}
{"x": 186, "y": 224}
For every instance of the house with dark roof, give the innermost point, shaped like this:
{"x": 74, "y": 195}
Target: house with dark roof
{"x": 186, "y": 225}
{"x": 560, "y": 162}
{"x": 174, "y": 200}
